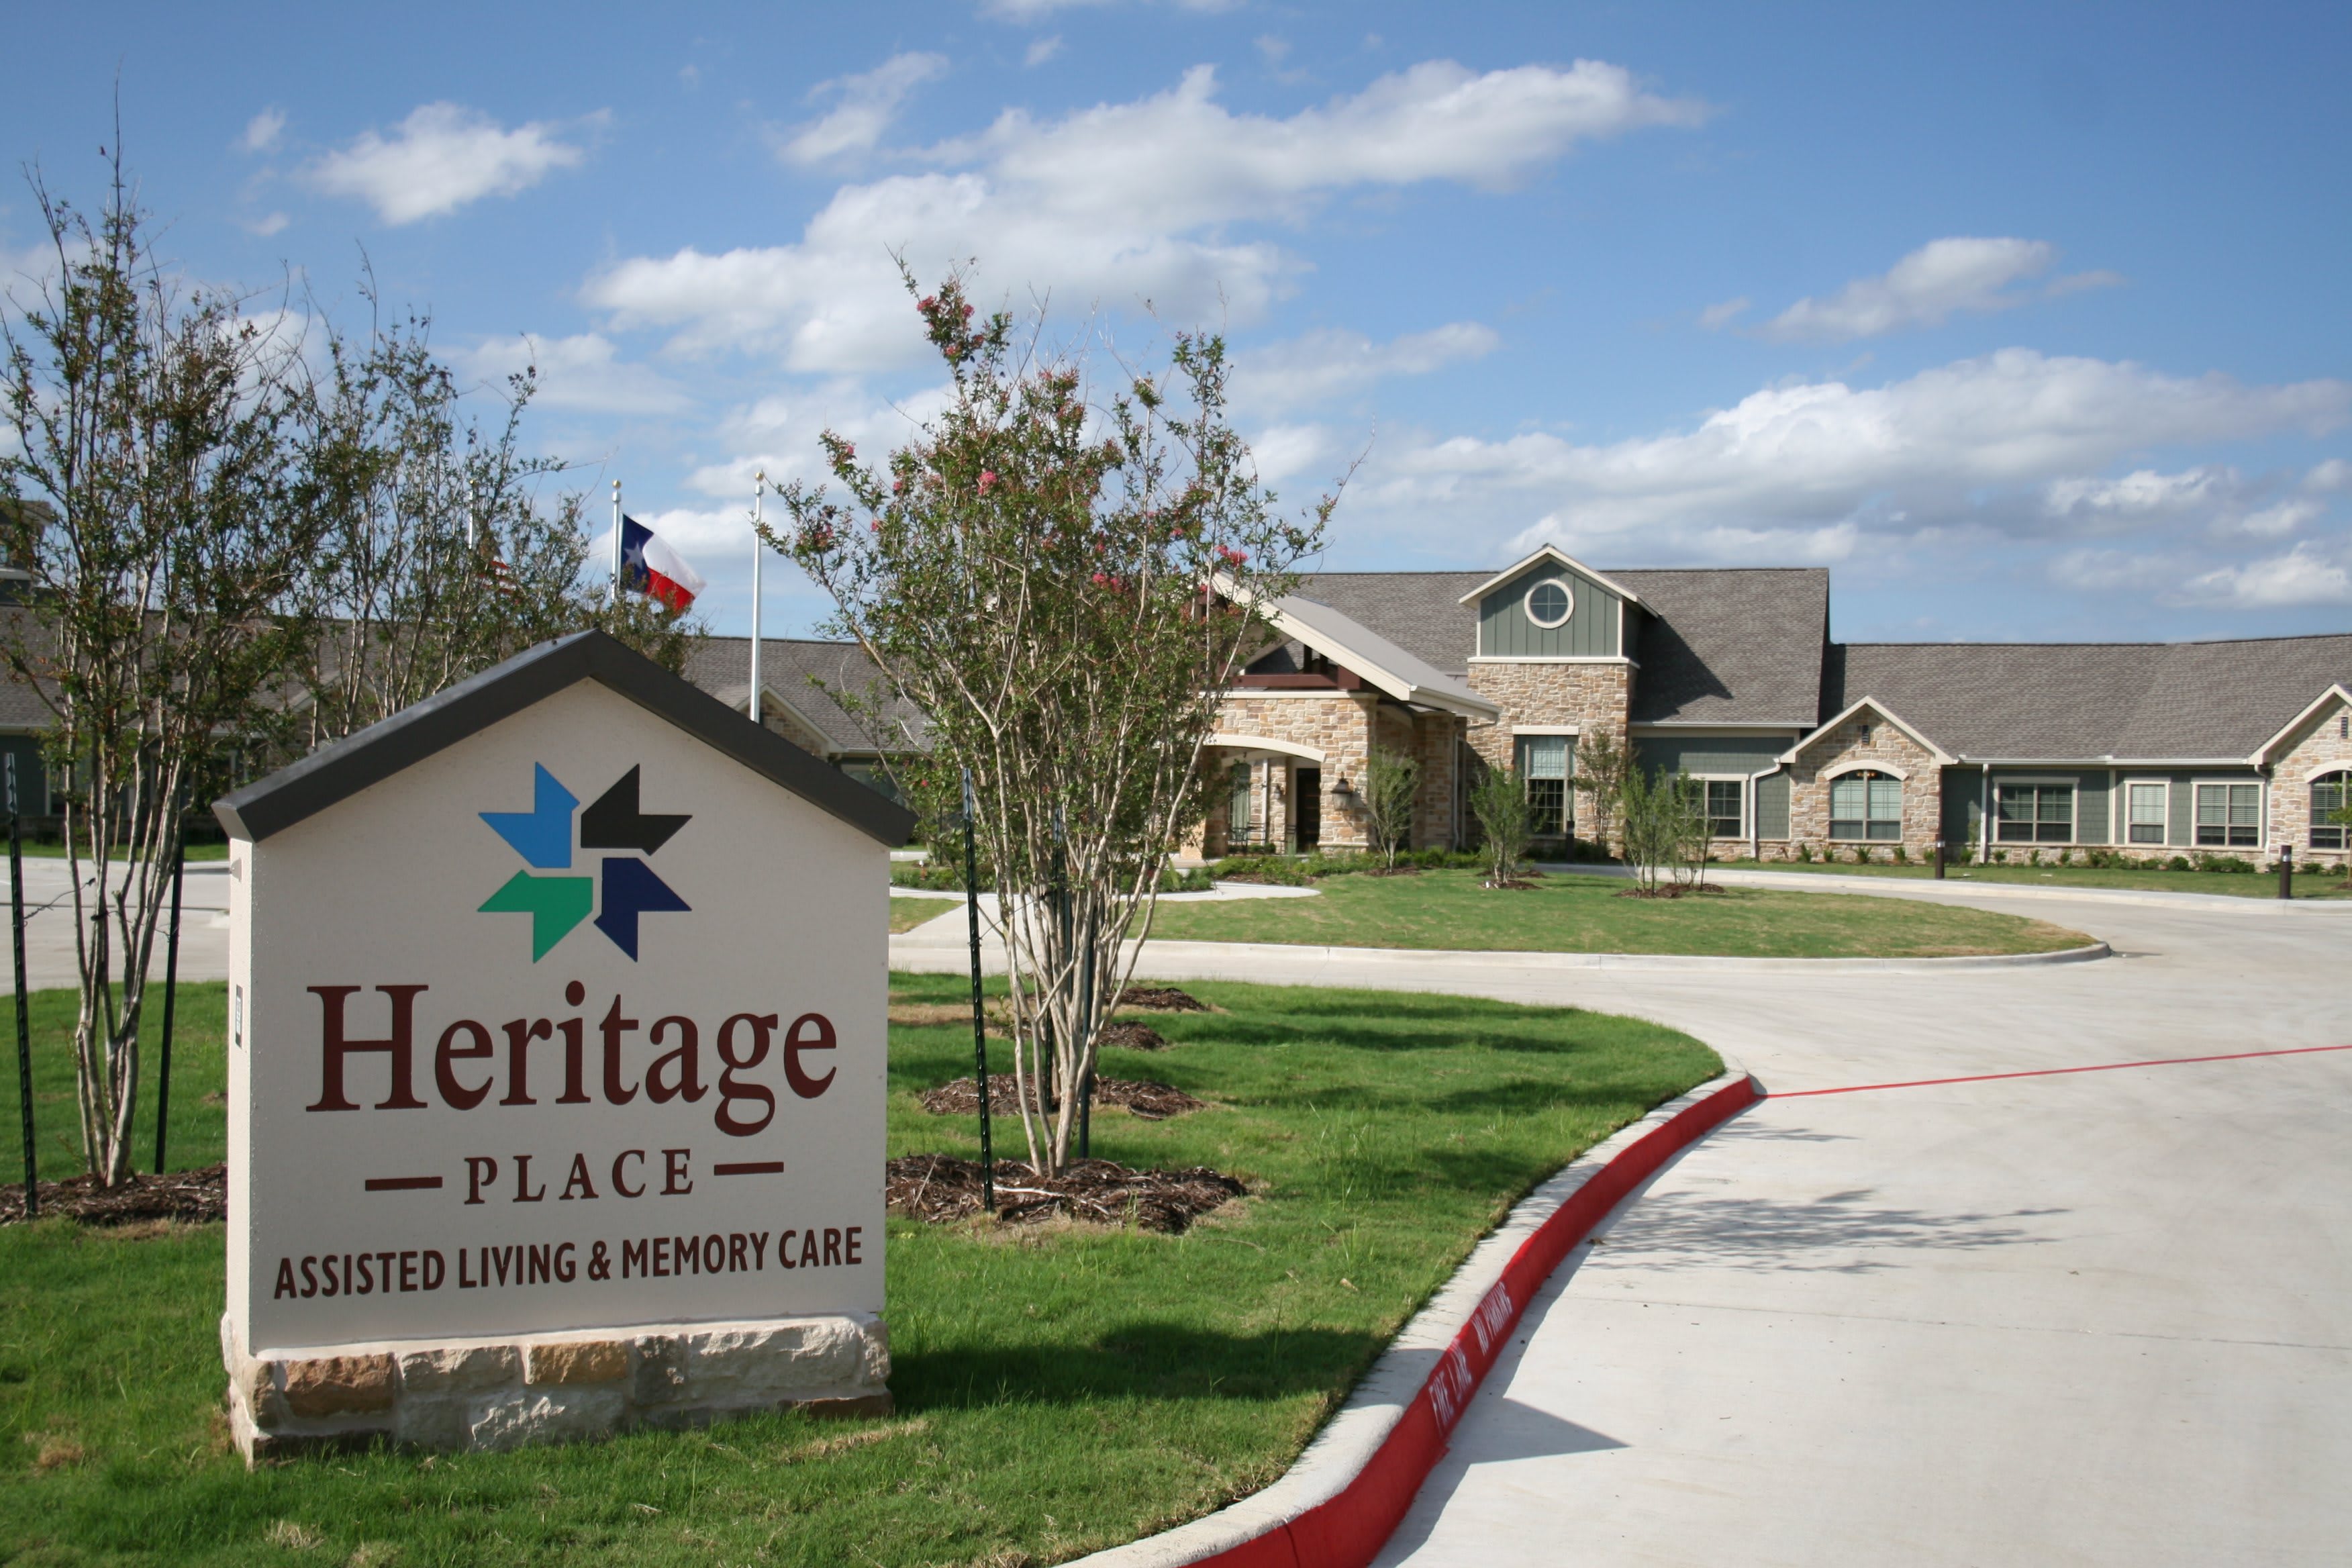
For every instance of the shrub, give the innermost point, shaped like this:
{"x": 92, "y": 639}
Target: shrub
{"x": 1901, "y": 858}
{"x": 1805, "y": 854}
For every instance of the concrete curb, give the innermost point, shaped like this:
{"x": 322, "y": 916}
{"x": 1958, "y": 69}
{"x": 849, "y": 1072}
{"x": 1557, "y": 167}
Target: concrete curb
{"x": 1338, "y": 1506}
{"x": 1172, "y": 959}
{"x": 1961, "y": 887}
{"x": 1177, "y": 952}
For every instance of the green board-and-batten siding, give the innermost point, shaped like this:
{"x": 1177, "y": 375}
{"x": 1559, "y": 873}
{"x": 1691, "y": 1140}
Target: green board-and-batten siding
{"x": 1729, "y": 756}
{"x": 1772, "y": 806}
{"x": 1590, "y": 631}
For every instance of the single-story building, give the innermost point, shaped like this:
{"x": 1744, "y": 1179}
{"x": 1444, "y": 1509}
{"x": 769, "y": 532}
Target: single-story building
{"x": 2238, "y": 748}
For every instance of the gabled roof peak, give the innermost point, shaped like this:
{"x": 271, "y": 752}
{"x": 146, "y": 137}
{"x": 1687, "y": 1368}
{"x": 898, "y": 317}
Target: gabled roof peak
{"x": 1553, "y": 553}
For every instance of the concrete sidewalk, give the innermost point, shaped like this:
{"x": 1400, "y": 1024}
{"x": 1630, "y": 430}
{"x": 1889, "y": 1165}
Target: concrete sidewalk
{"x": 2097, "y": 1318}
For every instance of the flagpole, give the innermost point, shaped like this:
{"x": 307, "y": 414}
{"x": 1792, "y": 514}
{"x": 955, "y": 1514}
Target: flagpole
{"x": 759, "y": 489}
{"x": 612, "y": 594}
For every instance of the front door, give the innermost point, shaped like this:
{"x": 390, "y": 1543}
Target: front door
{"x": 1306, "y": 789}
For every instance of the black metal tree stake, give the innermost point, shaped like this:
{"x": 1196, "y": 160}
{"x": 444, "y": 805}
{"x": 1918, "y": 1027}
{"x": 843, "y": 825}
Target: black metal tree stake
{"x": 979, "y": 1010}
{"x": 24, "y": 1014}
{"x": 171, "y": 992}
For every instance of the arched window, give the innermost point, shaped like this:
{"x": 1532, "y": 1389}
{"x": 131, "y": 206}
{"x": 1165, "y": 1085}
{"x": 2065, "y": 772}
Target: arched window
{"x": 2330, "y": 793}
{"x": 1867, "y": 804}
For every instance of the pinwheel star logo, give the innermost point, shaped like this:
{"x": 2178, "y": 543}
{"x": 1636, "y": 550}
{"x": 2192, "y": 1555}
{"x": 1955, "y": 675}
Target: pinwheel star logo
{"x": 624, "y": 885}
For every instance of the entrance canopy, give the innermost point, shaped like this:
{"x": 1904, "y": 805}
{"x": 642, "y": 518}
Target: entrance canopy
{"x": 1254, "y": 748}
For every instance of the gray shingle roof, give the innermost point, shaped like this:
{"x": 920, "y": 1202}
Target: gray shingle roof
{"x": 806, "y": 675}
{"x": 2089, "y": 701}
{"x": 1733, "y": 646}
{"x": 1350, "y": 642}
{"x": 1419, "y": 611}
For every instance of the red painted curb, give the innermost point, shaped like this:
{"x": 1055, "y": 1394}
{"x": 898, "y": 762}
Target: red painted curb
{"x": 1348, "y": 1530}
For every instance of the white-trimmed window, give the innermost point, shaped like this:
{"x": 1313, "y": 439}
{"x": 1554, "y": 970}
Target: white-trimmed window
{"x": 2229, "y": 815}
{"x": 1549, "y": 603}
{"x": 2330, "y": 793}
{"x": 2147, "y": 811}
{"x": 2033, "y": 812}
{"x": 1543, "y": 767}
{"x": 1726, "y": 815}
{"x": 1867, "y": 804}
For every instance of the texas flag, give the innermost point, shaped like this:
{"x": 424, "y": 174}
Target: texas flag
{"x": 649, "y": 566}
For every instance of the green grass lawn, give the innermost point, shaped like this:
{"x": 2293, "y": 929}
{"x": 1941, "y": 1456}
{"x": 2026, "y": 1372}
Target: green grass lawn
{"x": 906, "y": 914}
{"x": 1059, "y": 1389}
{"x": 1586, "y": 914}
{"x": 207, "y": 851}
{"x": 2241, "y": 885}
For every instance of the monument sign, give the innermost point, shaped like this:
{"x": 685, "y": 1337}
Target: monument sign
{"x": 557, "y": 1021}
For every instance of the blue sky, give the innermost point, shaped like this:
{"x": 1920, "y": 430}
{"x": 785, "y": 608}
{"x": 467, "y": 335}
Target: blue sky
{"x": 2029, "y": 323}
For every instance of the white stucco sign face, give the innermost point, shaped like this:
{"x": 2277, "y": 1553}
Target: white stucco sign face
{"x": 576, "y": 1021}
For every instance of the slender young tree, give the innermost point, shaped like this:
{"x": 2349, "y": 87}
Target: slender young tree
{"x": 153, "y": 424}
{"x": 1499, "y": 799}
{"x": 1065, "y": 587}
{"x": 1390, "y": 779}
{"x": 1602, "y": 764}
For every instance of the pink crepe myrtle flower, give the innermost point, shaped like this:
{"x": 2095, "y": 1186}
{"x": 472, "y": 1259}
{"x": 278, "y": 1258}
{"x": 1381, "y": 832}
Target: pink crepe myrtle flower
{"x": 987, "y": 481}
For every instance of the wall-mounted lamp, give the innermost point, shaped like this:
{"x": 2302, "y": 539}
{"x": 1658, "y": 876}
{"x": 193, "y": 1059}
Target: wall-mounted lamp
{"x": 1343, "y": 795}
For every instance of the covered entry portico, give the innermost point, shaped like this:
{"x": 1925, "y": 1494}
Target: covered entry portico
{"x": 1268, "y": 794}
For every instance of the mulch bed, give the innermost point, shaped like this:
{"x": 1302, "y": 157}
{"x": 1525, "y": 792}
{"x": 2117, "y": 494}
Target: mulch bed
{"x": 194, "y": 1196}
{"x": 1146, "y": 1101}
{"x": 1134, "y": 1036}
{"x": 942, "y": 1189}
{"x": 1162, "y": 999}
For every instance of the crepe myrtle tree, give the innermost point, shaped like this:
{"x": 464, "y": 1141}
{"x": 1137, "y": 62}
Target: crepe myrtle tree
{"x": 152, "y": 426}
{"x": 1067, "y": 586}
{"x": 439, "y": 558}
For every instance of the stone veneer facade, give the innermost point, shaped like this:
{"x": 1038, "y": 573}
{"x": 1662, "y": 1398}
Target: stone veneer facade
{"x": 1343, "y": 726}
{"x": 1339, "y": 724}
{"x": 504, "y": 1394}
{"x": 1592, "y": 695}
{"x": 1886, "y": 747}
{"x": 2319, "y": 747}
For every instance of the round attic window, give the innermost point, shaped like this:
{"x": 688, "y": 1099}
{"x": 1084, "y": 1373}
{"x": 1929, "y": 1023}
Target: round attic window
{"x": 1549, "y": 603}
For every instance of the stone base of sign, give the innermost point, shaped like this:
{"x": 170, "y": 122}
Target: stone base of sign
{"x": 551, "y": 1388}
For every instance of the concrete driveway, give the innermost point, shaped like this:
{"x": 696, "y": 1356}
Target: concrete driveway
{"x": 49, "y": 933}
{"x": 2080, "y": 1318}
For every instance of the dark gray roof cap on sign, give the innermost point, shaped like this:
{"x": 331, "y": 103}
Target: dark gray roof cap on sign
{"x": 336, "y": 772}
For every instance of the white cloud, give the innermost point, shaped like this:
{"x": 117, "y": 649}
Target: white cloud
{"x": 581, "y": 373}
{"x": 1720, "y": 315}
{"x": 1030, "y": 10}
{"x": 268, "y": 224}
{"x": 867, "y": 105}
{"x": 2011, "y": 441}
{"x": 2273, "y": 521}
{"x": 2304, "y": 575}
{"x": 1330, "y": 362}
{"x": 1042, "y": 49}
{"x": 2142, "y": 494}
{"x": 440, "y": 158}
{"x": 2121, "y": 571}
{"x": 262, "y": 130}
{"x": 1924, "y": 289}
{"x": 1121, "y": 201}
{"x": 2334, "y": 474}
